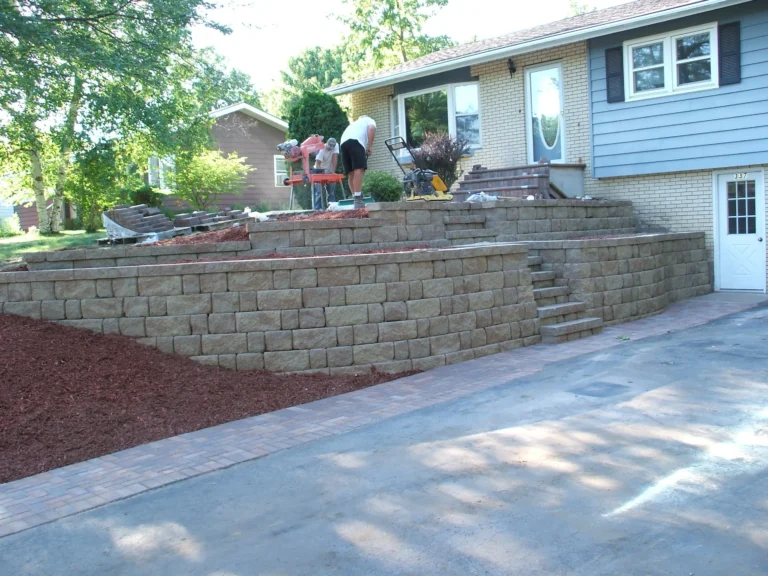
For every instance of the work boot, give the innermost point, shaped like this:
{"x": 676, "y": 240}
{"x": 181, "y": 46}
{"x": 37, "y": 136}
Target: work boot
{"x": 359, "y": 204}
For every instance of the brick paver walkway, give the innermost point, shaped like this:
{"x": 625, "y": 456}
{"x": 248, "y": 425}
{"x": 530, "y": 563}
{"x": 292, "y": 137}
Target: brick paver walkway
{"x": 58, "y": 493}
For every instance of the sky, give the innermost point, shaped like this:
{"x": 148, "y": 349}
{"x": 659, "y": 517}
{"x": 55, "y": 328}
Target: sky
{"x": 266, "y": 33}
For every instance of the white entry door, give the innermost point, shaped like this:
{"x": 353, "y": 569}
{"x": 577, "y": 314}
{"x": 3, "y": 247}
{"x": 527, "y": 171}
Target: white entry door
{"x": 545, "y": 129}
{"x": 741, "y": 231}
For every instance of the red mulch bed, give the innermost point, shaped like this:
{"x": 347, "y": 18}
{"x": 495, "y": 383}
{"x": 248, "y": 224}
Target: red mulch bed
{"x": 67, "y": 395}
{"x": 340, "y": 215}
{"x": 235, "y": 234}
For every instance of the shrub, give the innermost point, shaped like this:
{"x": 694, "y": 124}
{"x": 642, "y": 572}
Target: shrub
{"x": 202, "y": 178}
{"x": 442, "y": 153}
{"x": 10, "y": 226}
{"x": 145, "y": 195}
{"x": 382, "y": 187}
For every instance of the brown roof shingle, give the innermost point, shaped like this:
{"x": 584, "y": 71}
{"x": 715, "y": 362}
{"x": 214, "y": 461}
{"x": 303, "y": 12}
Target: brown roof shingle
{"x": 593, "y": 19}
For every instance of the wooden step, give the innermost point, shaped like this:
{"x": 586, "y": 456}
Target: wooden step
{"x": 479, "y": 219}
{"x": 524, "y": 170}
{"x": 552, "y": 292}
{"x": 572, "y": 327}
{"x": 564, "y": 309}
{"x": 462, "y": 234}
{"x": 535, "y": 180}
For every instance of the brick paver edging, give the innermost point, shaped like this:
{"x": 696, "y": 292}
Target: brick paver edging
{"x": 65, "y": 491}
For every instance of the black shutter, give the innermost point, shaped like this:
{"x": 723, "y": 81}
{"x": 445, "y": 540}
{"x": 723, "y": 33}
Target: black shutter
{"x": 729, "y": 52}
{"x": 614, "y": 74}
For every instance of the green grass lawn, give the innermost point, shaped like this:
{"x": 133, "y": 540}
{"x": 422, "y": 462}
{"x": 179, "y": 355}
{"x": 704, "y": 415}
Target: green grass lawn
{"x": 12, "y": 248}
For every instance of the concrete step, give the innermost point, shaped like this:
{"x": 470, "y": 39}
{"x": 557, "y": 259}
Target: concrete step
{"x": 534, "y": 260}
{"x": 479, "y": 219}
{"x": 551, "y": 292}
{"x": 564, "y": 309}
{"x": 461, "y": 234}
{"x": 555, "y": 333}
{"x": 542, "y": 276}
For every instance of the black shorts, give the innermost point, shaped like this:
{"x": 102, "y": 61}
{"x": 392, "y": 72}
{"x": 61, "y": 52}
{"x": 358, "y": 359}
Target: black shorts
{"x": 353, "y": 156}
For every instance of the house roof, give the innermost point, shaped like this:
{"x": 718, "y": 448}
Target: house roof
{"x": 577, "y": 28}
{"x": 253, "y": 112}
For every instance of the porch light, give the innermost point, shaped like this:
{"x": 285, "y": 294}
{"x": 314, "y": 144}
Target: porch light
{"x": 511, "y": 67}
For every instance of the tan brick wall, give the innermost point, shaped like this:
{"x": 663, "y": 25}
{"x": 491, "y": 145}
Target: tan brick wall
{"x": 375, "y": 103}
{"x": 502, "y": 106}
{"x": 502, "y": 109}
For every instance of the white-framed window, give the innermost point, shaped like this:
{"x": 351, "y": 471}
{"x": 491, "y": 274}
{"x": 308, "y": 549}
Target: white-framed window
{"x": 281, "y": 172}
{"x": 451, "y": 108}
{"x": 162, "y": 172}
{"x": 680, "y": 61}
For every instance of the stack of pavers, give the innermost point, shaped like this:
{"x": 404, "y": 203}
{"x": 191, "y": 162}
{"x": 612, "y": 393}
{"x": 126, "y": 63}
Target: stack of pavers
{"x": 202, "y": 221}
{"x": 140, "y": 219}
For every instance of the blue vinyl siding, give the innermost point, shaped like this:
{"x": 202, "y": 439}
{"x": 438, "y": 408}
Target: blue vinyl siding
{"x": 704, "y": 130}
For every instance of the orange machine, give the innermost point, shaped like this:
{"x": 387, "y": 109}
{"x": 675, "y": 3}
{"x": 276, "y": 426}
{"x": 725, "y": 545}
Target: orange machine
{"x": 293, "y": 152}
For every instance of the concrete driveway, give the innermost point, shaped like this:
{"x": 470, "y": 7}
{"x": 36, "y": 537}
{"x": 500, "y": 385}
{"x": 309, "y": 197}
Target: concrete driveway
{"x": 648, "y": 458}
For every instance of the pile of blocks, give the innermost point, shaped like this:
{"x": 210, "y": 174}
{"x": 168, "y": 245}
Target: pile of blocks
{"x": 140, "y": 219}
{"x": 202, "y": 218}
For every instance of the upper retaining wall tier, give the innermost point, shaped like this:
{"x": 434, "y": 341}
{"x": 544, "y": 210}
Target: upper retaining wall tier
{"x": 337, "y": 314}
{"x": 623, "y": 279}
{"x": 390, "y": 225}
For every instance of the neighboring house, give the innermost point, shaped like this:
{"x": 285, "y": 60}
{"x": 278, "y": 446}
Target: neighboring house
{"x": 665, "y": 102}
{"x": 254, "y": 134}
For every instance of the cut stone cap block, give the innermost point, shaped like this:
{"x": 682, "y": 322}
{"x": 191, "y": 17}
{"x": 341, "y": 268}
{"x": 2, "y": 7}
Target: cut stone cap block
{"x": 431, "y": 254}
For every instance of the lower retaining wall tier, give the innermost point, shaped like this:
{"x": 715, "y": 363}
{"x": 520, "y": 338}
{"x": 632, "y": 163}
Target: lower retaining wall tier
{"x": 623, "y": 279}
{"x": 335, "y": 314}
{"x": 395, "y": 311}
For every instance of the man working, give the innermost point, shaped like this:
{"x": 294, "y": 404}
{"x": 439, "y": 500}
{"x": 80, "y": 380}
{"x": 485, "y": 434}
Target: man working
{"x": 356, "y": 146}
{"x": 326, "y": 160}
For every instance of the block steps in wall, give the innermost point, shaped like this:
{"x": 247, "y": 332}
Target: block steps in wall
{"x": 573, "y": 330}
{"x": 534, "y": 261}
{"x": 560, "y": 319}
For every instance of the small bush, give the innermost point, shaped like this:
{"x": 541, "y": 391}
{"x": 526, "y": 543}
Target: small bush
{"x": 72, "y": 224}
{"x": 10, "y": 226}
{"x": 442, "y": 153}
{"x": 382, "y": 187}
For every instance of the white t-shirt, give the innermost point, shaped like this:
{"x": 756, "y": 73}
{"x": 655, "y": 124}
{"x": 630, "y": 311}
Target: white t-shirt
{"x": 325, "y": 157}
{"x": 358, "y": 130}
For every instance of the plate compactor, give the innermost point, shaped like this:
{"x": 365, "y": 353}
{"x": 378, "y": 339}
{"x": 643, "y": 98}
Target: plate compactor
{"x": 419, "y": 183}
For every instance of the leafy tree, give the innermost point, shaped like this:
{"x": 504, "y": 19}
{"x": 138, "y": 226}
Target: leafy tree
{"x": 577, "y": 8}
{"x": 313, "y": 70}
{"x": 315, "y": 113}
{"x": 93, "y": 183}
{"x": 385, "y": 33}
{"x": 70, "y": 69}
{"x": 201, "y": 178}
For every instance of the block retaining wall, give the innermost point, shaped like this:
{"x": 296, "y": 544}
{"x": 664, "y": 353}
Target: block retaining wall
{"x": 336, "y": 314}
{"x": 624, "y": 279}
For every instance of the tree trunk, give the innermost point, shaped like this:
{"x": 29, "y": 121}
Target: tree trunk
{"x": 38, "y": 186}
{"x": 65, "y": 151}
